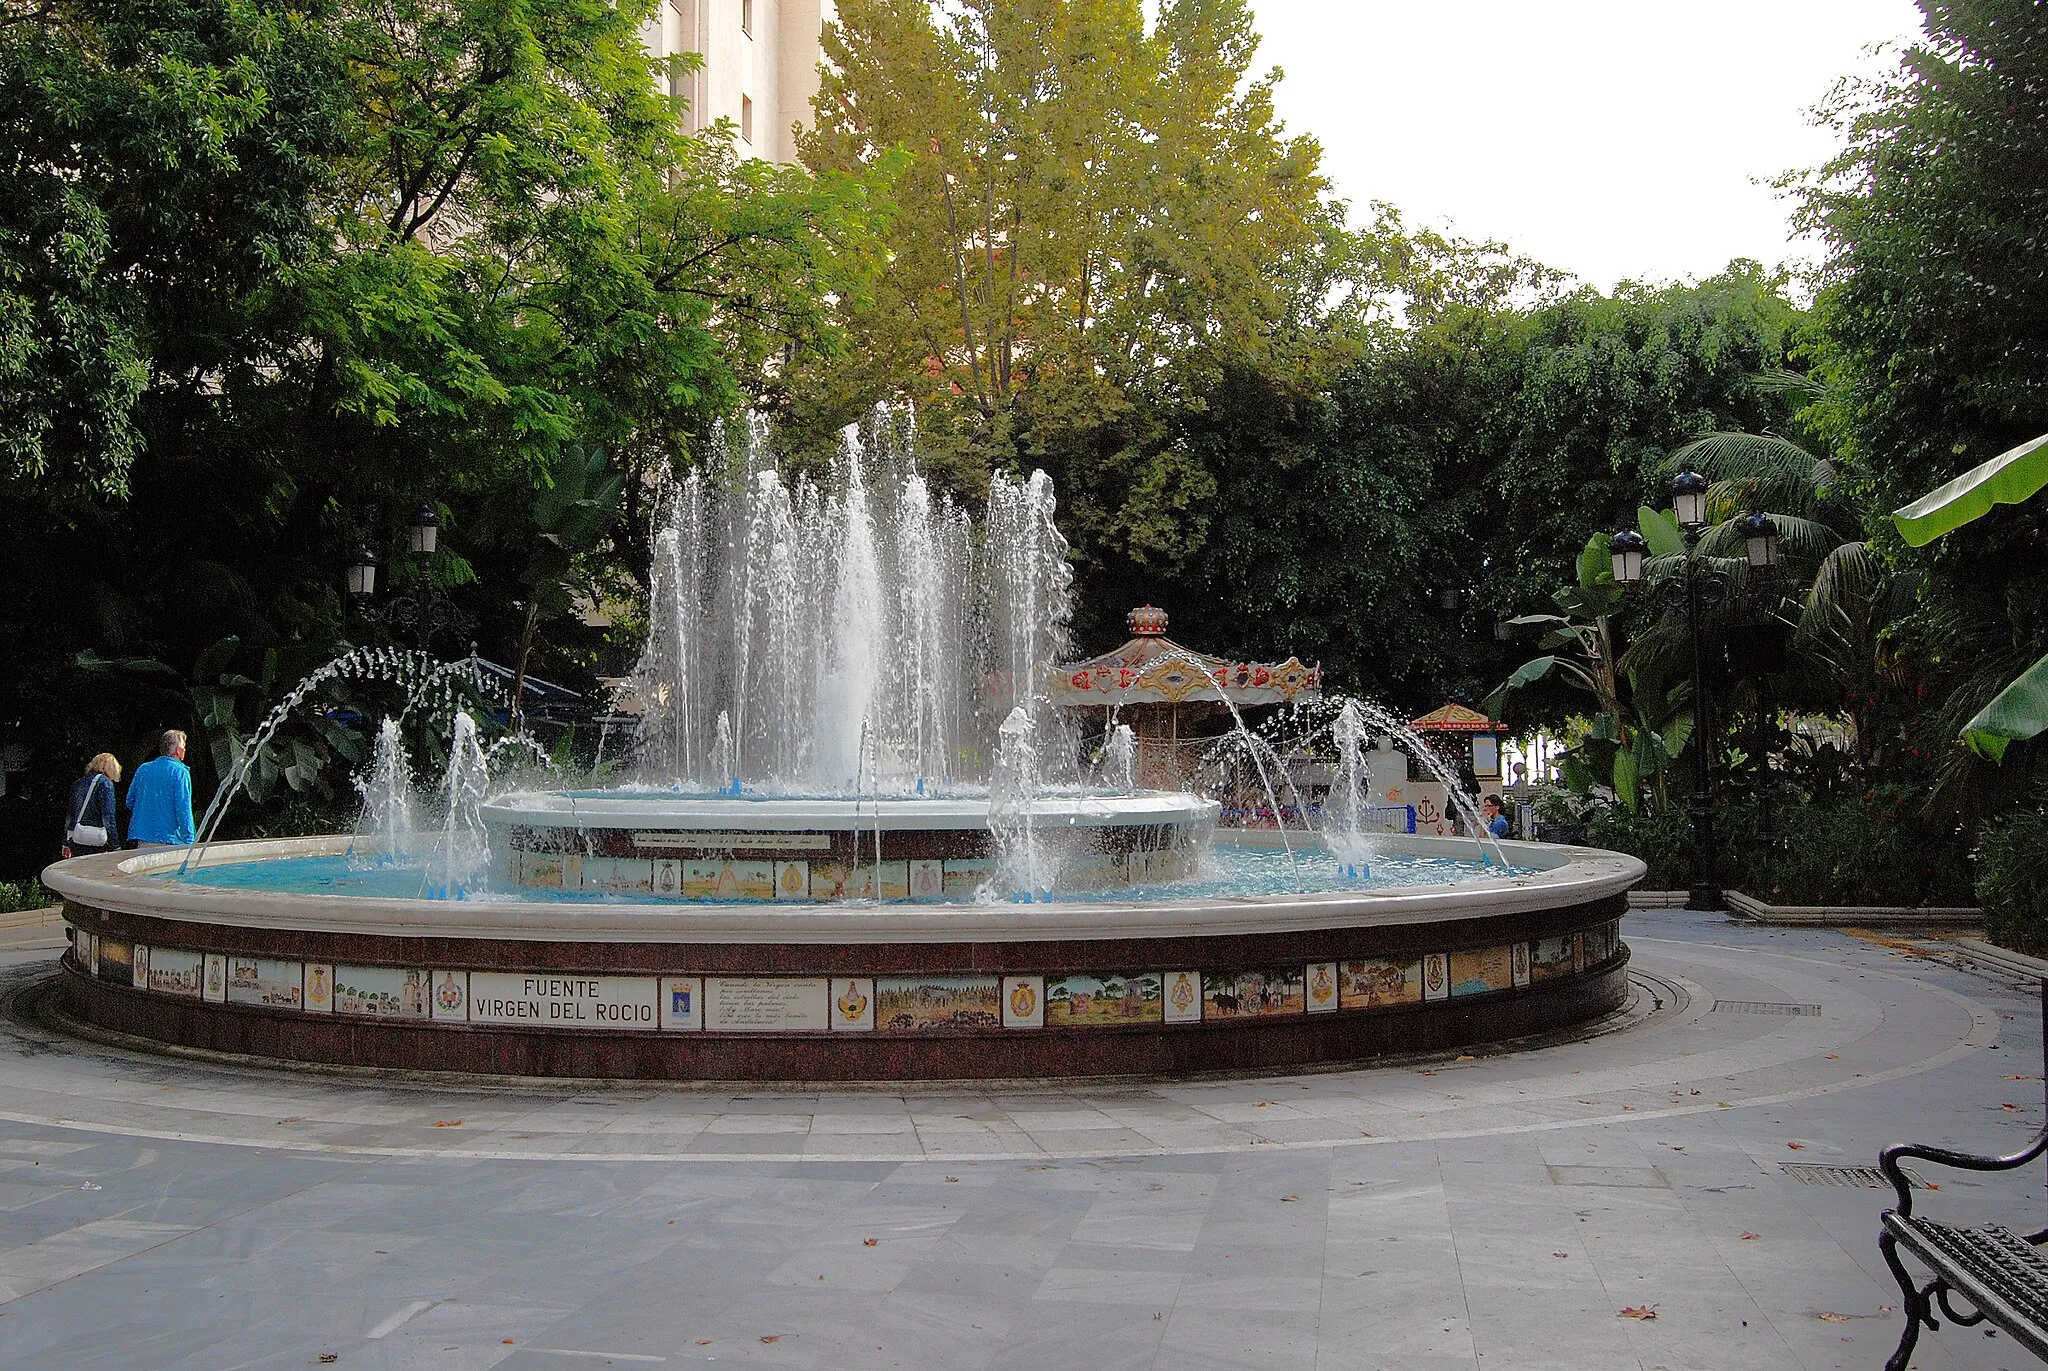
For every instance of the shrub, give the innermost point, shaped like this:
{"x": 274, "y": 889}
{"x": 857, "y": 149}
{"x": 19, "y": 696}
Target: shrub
{"x": 17, "y": 896}
{"x": 1868, "y": 849}
{"x": 2012, "y": 881}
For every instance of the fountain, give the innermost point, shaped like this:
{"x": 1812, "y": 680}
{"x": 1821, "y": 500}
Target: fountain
{"x": 852, "y": 837}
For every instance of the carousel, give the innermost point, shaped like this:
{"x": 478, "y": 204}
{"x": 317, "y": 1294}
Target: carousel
{"x": 1176, "y": 700}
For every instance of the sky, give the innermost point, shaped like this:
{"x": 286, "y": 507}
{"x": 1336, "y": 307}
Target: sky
{"x": 1614, "y": 139}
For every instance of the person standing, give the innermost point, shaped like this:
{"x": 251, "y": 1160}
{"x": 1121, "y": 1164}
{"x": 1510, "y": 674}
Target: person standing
{"x": 1496, "y": 821}
{"x": 93, "y": 822}
{"x": 160, "y": 797}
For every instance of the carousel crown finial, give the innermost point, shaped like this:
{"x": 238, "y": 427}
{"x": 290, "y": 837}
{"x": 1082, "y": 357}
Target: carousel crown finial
{"x": 1147, "y": 621}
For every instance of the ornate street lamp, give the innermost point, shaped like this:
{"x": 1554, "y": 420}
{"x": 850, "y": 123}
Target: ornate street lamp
{"x": 1689, "y": 498}
{"x": 426, "y": 530}
{"x": 1689, "y": 504}
{"x": 362, "y": 573}
{"x": 1628, "y": 549}
{"x": 423, "y": 612}
{"x": 1760, "y": 535}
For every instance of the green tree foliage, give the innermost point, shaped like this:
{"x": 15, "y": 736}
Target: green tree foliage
{"x": 1102, "y": 237}
{"x": 273, "y": 276}
{"x": 1934, "y": 309}
{"x": 163, "y": 159}
{"x": 1475, "y": 447}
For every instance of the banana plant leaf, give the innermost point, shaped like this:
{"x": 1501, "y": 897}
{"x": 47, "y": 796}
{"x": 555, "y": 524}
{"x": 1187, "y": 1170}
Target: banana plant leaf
{"x": 1625, "y": 777}
{"x": 2006, "y": 479}
{"x": 2017, "y": 713}
{"x": 1660, "y": 530}
{"x": 1596, "y": 562}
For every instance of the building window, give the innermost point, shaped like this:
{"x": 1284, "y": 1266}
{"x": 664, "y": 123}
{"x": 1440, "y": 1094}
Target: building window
{"x": 747, "y": 17}
{"x": 746, "y": 119}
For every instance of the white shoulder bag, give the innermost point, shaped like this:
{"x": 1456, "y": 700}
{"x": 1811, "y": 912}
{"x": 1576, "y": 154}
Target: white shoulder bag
{"x": 84, "y": 834}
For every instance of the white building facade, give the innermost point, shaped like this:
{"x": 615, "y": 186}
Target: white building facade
{"x": 760, "y": 65}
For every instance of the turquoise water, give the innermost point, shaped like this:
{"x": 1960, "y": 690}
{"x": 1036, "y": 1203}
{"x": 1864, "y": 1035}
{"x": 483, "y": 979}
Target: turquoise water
{"x": 1237, "y": 873}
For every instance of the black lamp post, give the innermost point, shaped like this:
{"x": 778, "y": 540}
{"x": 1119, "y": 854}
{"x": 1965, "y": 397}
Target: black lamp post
{"x": 426, "y": 531}
{"x": 362, "y": 574}
{"x": 1689, "y": 503}
{"x": 425, "y": 611}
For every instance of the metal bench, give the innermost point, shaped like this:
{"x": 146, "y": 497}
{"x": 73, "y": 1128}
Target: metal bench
{"x": 2001, "y": 1275}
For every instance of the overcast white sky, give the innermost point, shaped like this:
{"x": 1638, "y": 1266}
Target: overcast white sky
{"x": 1610, "y": 138}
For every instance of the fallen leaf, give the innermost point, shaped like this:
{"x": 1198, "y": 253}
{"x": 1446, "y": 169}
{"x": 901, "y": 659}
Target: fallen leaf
{"x": 1797, "y": 1147}
{"x": 1560, "y": 1254}
{"x": 952, "y": 1180}
{"x": 296, "y": 1118}
{"x": 1827, "y": 1317}
{"x": 1644, "y": 1312}
{"x": 1290, "y": 1199}
{"x": 703, "y": 1342}
{"x": 1933, "y": 1186}
{"x": 506, "y": 1341}
{"x": 1693, "y": 1092}
{"x": 1628, "y": 1108}
{"x": 1429, "y": 1073}
{"x": 447, "y": 1123}
{"x": 1467, "y": 1057}
{"x": 2010, "y": 1108}
{"x": 1751, "y": 1237}
{"x": 1263, "y": 1103}
{"x": 771, "y": 1337}
{"x": 1585, "y": 1102}
{"x": 1834, "y": 1056}
{"x": 869, "y": 1242}
{"x": 671, "y": 1223}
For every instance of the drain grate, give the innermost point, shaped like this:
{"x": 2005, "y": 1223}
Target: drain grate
{"x": 1858, "y": 1177}
{"x": 1762, "y": 1007}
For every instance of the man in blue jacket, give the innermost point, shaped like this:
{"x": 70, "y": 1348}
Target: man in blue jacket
{"x": 160, "y": 797}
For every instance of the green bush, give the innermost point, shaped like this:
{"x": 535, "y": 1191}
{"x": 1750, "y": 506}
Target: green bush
{"x": 16, "y": 896}
{"x": 1868, "y": 849}
{"x": 2012, "y": 882}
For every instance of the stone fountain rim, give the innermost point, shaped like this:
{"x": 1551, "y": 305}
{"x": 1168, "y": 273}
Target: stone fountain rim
{"x": 125, "y": 882}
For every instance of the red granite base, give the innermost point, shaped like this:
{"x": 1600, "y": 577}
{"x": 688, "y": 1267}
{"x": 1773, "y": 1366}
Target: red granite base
{"x": 1573, "y": 992}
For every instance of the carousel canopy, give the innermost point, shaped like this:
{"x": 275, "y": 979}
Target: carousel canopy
{"x": 1454, "y": 719}
{"x": 1153, "y": 669}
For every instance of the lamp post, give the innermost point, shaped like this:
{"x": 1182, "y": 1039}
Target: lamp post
{"x": 425, "y": 611}
{"x": 362, "y": 574}
{"x": 1628, "y": 548}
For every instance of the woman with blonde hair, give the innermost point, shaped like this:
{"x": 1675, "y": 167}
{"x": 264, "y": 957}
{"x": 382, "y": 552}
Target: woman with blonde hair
{"x": 93, "y": 822}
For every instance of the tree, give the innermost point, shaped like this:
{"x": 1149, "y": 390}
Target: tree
{"x": 273, "y": 276}
{"x": 1099, "y": 226}
{"x": 1934, "y": 309}
{"x": 163, "y": 156}
{"x": 1473, "y": 447}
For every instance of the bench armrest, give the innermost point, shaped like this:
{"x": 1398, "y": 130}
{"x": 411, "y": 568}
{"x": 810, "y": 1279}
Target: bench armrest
{"x": 1888, "y": 1162}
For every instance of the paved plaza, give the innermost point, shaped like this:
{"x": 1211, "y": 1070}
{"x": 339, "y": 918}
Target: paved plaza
{"x": 1497, "y": 1210}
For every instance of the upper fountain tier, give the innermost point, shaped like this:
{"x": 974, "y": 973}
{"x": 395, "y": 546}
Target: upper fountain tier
{"x": 632, "y": 841}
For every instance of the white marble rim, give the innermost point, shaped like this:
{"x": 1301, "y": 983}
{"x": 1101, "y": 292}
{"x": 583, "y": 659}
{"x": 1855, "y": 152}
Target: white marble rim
{"x": 644, "y": 810}
{"x": 132, "y": 883}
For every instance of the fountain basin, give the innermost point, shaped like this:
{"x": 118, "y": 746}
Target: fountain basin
{"x": 822, "y": 991}
{"x": 806, "y": 849}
